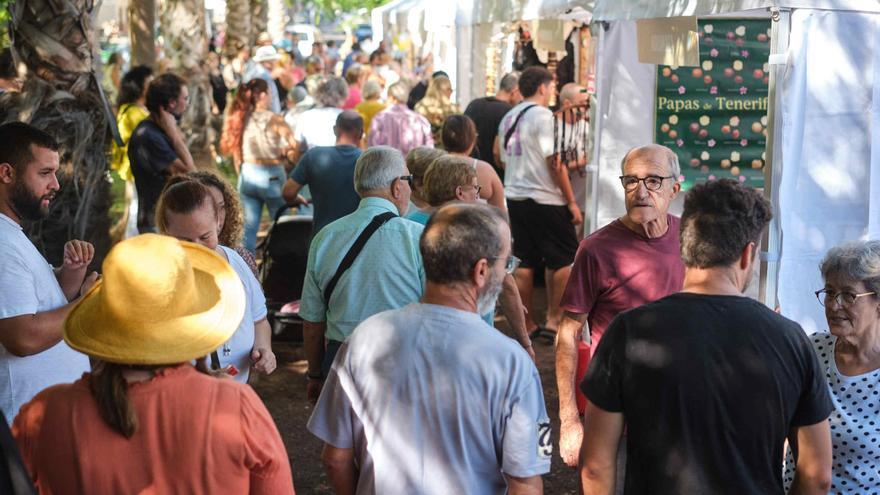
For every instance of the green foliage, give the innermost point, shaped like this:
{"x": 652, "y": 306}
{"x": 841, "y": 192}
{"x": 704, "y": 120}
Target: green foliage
{"x": 331, "y": 7}
{"x": 4, "y": 23}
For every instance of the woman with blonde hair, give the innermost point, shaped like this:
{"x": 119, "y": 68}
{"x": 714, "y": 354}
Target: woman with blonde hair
{"x": 417, "y": 162}
{"x": 459, "y": 136}
{"x": 436, "y": 105}
{"x": 260, "y": 143}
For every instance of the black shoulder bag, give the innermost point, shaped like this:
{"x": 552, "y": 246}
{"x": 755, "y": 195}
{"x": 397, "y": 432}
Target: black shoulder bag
{"x": 355, "y": 250}
{"x": 509, "y": 133}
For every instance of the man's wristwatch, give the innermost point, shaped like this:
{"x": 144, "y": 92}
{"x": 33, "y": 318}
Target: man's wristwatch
{"x": 315, "y": 375}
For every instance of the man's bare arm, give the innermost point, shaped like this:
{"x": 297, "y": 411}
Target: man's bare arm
{"x": 27, "y": 335}
{"x": 496, "y": 152}
{"x": 559, "y": 172}
{"x": 813, "y": 446}
{"x": 602, "y": 432}
{"x": 313, "y": 344}
{"x": 533, "y": 485}
{"x": 512, "y": 309}
{"x": 340, "y": 468}
{"x": 571, "y": 430}
{"x": 291, "y": 191}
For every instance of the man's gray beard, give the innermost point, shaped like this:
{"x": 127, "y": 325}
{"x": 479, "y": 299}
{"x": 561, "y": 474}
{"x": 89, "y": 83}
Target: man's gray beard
{"x": 486, "y": 301}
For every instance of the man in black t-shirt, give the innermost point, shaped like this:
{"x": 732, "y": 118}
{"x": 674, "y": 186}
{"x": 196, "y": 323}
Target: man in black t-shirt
{"x": 487, "y": 113}
{"x": 708, "y": 382}
{"x": 157, "y": 149}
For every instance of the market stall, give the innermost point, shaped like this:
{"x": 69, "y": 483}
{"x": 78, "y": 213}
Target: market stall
{"x": 821, "y": 163}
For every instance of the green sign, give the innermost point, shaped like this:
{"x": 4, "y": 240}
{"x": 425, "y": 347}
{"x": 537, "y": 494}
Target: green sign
{"x": 715, "y": 116}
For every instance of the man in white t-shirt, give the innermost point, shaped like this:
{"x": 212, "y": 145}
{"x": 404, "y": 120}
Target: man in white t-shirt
{"x": 543, "y": 209}
{"x": 34, "y": 298}
{"x": 429, "y": 398}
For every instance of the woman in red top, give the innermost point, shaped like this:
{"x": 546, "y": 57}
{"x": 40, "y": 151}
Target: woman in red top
{"x": 146, "y": 420}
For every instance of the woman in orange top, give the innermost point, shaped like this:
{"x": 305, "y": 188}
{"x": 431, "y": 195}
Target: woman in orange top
{"x": 145, "y": 420}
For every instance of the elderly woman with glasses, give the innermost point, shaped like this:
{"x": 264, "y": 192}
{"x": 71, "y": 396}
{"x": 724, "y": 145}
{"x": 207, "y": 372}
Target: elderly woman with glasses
{"x": 850, "y": 356}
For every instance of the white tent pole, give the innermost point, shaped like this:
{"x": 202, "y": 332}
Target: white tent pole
{"x": 773, "y": 163}
{"x": 592, "y": 206}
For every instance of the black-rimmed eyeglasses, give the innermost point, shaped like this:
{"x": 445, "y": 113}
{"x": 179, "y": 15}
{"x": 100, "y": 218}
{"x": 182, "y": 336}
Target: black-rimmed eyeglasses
{"x": 408, "y": 178}
{"x": 843, "y": 298}
{"x": 652, "y": 182}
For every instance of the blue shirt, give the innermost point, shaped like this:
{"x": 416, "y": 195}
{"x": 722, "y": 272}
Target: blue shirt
{"x": 434, "y": 401}
{"x": 329, "y": 173}
{"x": 387, "y": 274}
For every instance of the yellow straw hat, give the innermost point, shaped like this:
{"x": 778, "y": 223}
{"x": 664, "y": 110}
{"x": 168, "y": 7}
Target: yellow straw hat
{"x": 160, "y": 301}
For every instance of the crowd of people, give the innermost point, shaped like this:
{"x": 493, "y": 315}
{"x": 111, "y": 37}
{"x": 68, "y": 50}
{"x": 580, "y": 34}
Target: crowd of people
{"x": 424, "y": 220}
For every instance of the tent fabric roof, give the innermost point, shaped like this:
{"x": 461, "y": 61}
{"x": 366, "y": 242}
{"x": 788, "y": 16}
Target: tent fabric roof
{"x": 608, "y": 10}
{"x": 489, "y": 11}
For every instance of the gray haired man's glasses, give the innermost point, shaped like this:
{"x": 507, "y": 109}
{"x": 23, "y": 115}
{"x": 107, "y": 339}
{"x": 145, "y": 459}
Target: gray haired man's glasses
{"x": 652, "y": 182}
{"x": 825, "y": 296}
{"x": 510, "y": 264}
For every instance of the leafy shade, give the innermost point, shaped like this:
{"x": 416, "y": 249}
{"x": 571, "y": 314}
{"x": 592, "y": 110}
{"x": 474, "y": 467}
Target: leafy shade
{"x": 331, "y": 7}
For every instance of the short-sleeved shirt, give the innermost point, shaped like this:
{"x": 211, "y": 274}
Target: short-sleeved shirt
{"x": 487, "y": 114}
{"x": 151, "y": 153}
{"x": 434, "y": 401}
{"x": 709, "y": 387}
{"x": 196, "y": 434}
{"x": 28, "y": 286}
{"x": 526, "y": 174}
{"x": 329, "y": 173}
{"x": 855, "y": 424}
{"x": 368, "y": 109}
{"x": 315, "y": 127}
{"x": 616, "y": 269}
{"x": 400, "y": 128}
{"x": 387, "y": 274}
{"x": 237, "y": 350}
{"x": 127, "y": 119}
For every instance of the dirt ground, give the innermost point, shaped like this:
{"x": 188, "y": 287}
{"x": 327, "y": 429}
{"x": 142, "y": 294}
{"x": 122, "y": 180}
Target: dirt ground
{"x": 284, "y": 393}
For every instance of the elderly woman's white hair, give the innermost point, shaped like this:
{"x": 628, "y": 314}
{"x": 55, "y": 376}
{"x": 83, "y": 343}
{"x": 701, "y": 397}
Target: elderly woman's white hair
{"x": 399, "y": 91}
{"x": 371, "y": 90}
{"x": 332, "y": 93}
{"x": 377, "y": 168}
{"x": 854, "y": 261}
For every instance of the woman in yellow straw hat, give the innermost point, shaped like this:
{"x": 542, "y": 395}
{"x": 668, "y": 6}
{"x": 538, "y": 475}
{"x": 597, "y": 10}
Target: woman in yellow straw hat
{"x": 145, "y": 419}
{"x": 186, "y": 210}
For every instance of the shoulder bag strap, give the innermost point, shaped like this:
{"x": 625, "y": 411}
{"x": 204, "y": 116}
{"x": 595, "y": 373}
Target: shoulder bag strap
{"x": 215, "y": 361}
{"x": 355, "y": 250}
{"x": 509, "y": 132}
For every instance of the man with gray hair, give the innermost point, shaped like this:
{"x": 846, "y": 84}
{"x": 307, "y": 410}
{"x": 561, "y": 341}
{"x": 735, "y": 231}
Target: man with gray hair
{"x": 363, "y": 263}
{"x": 429, "y": 398}
{"x": 398, "y": 126}
{"x": 629, "y": 262}
{"x": 487, "y": 113}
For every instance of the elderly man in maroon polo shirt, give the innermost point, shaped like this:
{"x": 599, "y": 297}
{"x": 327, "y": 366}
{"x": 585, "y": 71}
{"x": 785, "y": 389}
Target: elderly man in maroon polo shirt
{"x": 632, "y": 261}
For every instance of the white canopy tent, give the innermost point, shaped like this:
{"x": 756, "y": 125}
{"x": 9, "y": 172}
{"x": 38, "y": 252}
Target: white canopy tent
{"x": 823, "y": 150}
{"x": 486, "y": 19}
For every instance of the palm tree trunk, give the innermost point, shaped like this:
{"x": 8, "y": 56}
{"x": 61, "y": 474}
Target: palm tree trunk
{"x": 259, "y": 19}
{"x": 186, "y": 46}
{"x": 238, "y": 26}
{"x": 142, "y": 31}
{"x": 277, "y": 16}
{"x": 61, "y": 95}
